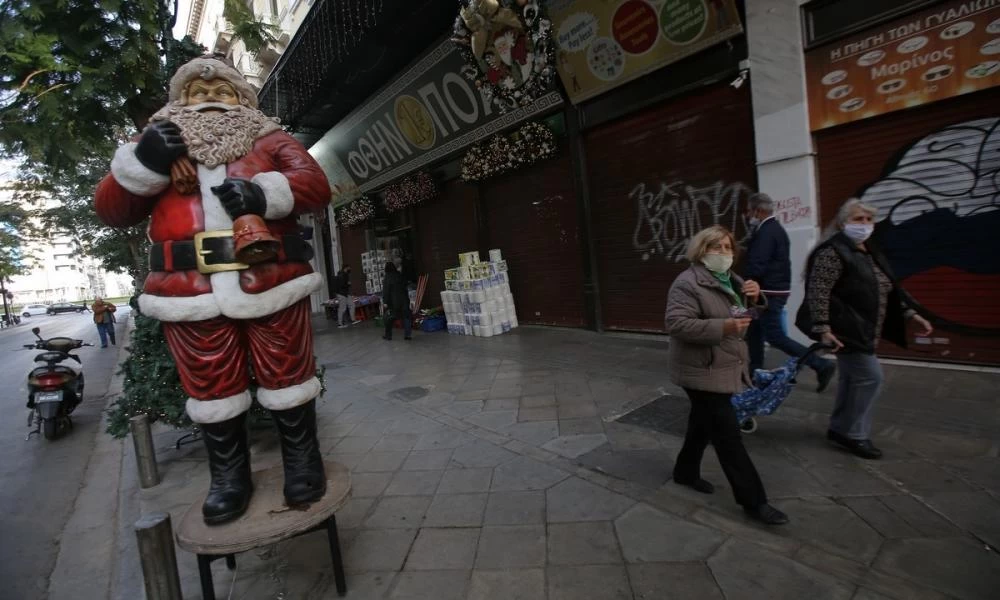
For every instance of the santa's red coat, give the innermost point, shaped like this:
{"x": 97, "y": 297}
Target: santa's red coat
{"x": 293, "y": 183}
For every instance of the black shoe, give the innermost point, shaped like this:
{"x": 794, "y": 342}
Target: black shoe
{"x": 305, "y": 479}
{"x": 824, "y": 376}
{"x": 862, "y": 448}
{"x": 699, "y": 485}
{"x": 407, "y": 339}
{"x": 229, "y": 462}
{"x": 388, "y": 339}
{"x": 766, "y": 514}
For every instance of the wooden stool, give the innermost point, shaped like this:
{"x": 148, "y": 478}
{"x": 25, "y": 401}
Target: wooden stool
{"x": 267, "y": 521}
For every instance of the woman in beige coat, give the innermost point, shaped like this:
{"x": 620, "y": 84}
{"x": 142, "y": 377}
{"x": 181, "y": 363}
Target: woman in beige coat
{"x": 708, "y": 312}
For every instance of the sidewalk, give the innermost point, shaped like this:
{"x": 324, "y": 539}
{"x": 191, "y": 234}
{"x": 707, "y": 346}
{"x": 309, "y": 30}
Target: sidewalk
{"x": 536, "y": 465}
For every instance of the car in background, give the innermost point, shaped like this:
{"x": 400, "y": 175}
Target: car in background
{"x": 31, "y": 310}
{"x": 65, "y": 307}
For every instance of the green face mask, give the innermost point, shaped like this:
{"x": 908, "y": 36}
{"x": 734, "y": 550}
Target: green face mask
{"x": 717, "y": 263}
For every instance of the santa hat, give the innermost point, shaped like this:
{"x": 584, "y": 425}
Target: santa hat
{"x": 209, "y": 68}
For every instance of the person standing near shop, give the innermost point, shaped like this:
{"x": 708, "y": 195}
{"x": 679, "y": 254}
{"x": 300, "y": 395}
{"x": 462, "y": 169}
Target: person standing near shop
{"x": 345, "y": 302}
{"x": 104, "y": 318}
{"x": 396, "y": 301}
{"x": 768, "y": 263}
{"x": 853, "y": 300}
{"x": 706, "y": 318}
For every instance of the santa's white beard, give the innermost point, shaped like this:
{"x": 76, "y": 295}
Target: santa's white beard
{"x": 218, "y": 138}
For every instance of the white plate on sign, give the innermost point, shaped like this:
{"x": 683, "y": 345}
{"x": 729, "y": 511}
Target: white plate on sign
{"x": 852, "y": 105}
{"x": 834, "y": 77}
{"x": 841, "y": 91}
{"x": 912, "y": 45}
{"x": 991, "y": 47}
{"x": 957, "y": 30}
{"x": 891, "y": 85}
{"x": 983, "y": 69}
{"x": 938, "y": 73}
{"x": 993, "y": 27}
{"x": 870, "y": 58}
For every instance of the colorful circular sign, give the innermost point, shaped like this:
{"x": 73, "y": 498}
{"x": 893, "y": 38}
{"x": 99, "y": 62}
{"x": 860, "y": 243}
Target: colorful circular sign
{"x": 635, "y": 26}
{"x": 605, "y": 59}
{"x": 683, "y": 21}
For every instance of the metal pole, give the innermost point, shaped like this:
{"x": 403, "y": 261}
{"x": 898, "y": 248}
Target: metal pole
{"x": 145, "y": 454}
{"x": 155, "y": 537}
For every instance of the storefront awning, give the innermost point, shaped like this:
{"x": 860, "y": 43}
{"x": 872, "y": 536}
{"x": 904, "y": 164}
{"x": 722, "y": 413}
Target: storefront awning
{"x": 343, "y": 52}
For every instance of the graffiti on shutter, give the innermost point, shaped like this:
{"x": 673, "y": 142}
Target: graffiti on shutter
{"x": 670, "y": 215}
{"x": 940, "y": 209}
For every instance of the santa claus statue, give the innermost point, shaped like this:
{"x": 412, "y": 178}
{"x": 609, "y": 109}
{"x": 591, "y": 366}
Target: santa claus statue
{"x": 207, "y": 159}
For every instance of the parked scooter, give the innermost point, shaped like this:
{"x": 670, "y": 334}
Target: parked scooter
{"x": 55, "y": 389}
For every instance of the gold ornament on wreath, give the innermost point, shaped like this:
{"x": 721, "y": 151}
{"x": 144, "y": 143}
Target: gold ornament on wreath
{"x": 508, "y": 50}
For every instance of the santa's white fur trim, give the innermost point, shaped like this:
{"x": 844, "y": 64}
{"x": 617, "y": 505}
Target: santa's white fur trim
{"x": 135, "y": 176}
{"x": 237, "y": 304}
{"x": 289, "y": 397}
{"x": 217, "y": 411}
{"x": 208, "y": 69}
{"x": 277, "y": 193}
{"x": 216, "y": 216}
{"x": 179, "y": 308}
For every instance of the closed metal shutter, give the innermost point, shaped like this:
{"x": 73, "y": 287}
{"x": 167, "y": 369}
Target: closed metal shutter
{"x": 532, "y": 217}
{"x": 446, "y": 226}
{"x": 933, "y": 174}
{"x": 657, "y": 178}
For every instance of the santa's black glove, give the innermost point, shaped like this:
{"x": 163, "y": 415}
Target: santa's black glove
{"x": 160, "y": 145}
{"x": 241, "y": 197}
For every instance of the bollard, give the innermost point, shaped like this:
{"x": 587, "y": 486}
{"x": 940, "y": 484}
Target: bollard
{"x": 155, "y": 537}
{"x": 145, "y": 455}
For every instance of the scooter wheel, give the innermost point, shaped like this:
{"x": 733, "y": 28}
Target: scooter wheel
{"x": 749, "y": 426}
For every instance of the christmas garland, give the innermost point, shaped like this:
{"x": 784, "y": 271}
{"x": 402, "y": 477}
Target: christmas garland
{"x": 409, "y": 191}
{"x": 508, "y": 50}
{"x": 356, "y": 212}
{"x": 501, "y": 153}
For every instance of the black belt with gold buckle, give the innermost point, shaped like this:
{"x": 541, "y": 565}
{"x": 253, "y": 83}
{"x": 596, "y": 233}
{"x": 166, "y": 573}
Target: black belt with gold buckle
{"x": 215, "y": 252}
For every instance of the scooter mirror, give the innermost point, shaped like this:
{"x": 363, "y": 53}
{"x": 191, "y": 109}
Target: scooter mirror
{"x": 35, "y": 330}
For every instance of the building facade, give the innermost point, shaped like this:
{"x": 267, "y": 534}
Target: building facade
{"x": 668, "y": 117}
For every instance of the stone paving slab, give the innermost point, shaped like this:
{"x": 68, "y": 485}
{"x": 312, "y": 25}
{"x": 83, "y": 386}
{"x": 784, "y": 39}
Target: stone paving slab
{"x": 454, "y": 497}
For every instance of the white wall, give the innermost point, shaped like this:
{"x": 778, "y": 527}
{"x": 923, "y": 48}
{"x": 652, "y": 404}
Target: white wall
{"x": 786, "y": 168}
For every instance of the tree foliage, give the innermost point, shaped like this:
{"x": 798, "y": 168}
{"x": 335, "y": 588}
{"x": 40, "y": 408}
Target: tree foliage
{"x": 77, "y": 79}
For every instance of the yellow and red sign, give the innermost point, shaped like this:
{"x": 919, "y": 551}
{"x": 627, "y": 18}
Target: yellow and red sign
{"x": 602, "y": 44}
{"x": 948, "y": 50}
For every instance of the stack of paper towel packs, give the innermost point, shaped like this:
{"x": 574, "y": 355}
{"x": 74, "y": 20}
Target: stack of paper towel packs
{"x": 477, "y": 299}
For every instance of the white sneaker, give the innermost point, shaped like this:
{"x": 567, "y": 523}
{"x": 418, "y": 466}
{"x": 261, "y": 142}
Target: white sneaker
{"x": 343, "y": 326}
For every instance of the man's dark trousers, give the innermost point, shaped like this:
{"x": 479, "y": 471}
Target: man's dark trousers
{"x": 768, "y": 328}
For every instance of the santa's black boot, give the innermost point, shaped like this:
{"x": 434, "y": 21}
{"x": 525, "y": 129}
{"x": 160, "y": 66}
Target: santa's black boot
{"x": 305, "y": 479}
{"x": 229, "y": 461}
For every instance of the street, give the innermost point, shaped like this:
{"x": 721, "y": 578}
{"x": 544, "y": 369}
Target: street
{"x": 41, "y": 478}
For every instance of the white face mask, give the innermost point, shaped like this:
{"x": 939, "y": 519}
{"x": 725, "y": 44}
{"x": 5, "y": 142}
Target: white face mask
{"x": 753, "y": 221}
{"x": 858, "y": 232}
{"x": 717, "y": 263}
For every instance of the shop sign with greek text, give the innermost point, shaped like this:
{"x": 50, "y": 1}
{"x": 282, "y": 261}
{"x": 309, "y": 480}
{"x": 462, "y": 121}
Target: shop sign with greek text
{"x": 601, "y": 45}
{"x": 948, "y": 50}
{"x": 427, "y": 113}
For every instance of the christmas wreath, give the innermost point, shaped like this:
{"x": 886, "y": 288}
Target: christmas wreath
{"x": 501, "y": 153}
{"x": 356, "y": 212}
{"x": 508, "y": 50}
{"x": 409, "y": 191}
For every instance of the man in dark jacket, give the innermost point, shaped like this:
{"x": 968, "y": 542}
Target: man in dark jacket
{"x": 345, "y": 302}
{"x": 768, "y": 263}
{"x": 396, "y": 299}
